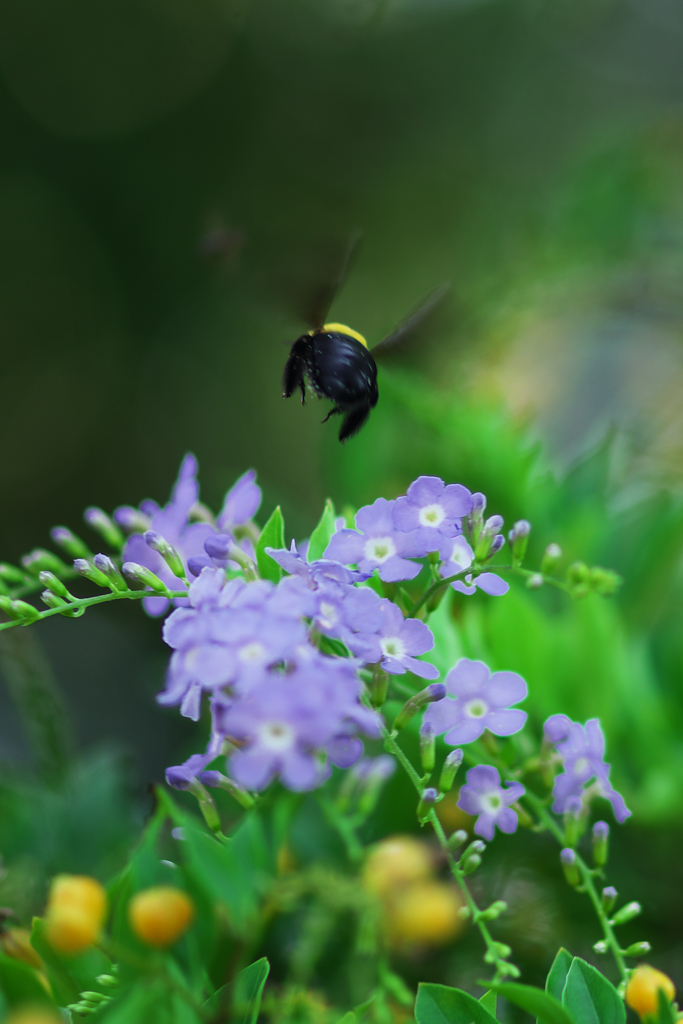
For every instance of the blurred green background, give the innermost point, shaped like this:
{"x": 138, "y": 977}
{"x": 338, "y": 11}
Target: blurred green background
{"x": 162, "y": 168}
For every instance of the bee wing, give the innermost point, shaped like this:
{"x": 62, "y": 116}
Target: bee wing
{"x": 414, "y": 325}
{"x": 333, "y": 268}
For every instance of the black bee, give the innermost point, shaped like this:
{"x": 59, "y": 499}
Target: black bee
{"x": 339, "y": 365}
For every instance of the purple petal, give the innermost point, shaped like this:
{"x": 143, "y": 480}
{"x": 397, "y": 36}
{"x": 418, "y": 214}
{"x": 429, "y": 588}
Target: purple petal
{"x": 156, "y": 606}
{"x": 513, "y": 791}
{"x": 504, "y": 689}
{"x": 456, "y": 500}
{"x": 507, "y": 820}
{"x": 425, "y": 490}
{"x": 362, "y": 610}
{"x": 491, "y": 584}
{"x": 192, "y": 702}
{"x": 557, "y": 728}
{"x": 344, "y": 750}
{"x": 405, "y": 515}
{"x": 241, "y": 502}
{"x": 621, "y": 811}
{"x": 505, "y": 723}
{"x": 596, "y": 738}
{"x": 417, "y": 636}
{"x": 484, "y": 778}
{"x": 421, "y": 668}
{"x": 467, "y": 678}
{"x": 365, "y": 646}
{"x": 469, "y": 801}
{"x": 467, "y": 731}
{"x": 301, "y": 772}
{"x": 346, "y": 547}
{"x": 395, "y": 569}
{"x": 253, "y": 768}
{"x": 374, "y": 519}
{"x": 485, "y": 826}
{"x": 393, "y": 666}
{"x": 462, "y": 588}
{"x": 442, "y": 716}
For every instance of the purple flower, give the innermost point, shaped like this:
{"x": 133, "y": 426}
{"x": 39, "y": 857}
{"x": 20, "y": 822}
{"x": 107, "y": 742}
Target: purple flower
{"x": 434, "y": 507}
{"x": 585, "y": 775}
{"x": 394, "y": 642}
{"x": 461, "y": 557}
{"x": 181, "y": 776}
{"x": 484, "y": 797}
{"x": 241, "y": 503}
{"x": 379, "y": 545}
{"x": 482, "y": 701}
{"x": 321, "y": 573}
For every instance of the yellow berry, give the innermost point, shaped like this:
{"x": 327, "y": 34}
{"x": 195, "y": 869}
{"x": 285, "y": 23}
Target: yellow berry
{"x": 33, "y": 1015}
{"x": 70, "y": 930}
{"x": 394, "y": 863}
{"x": 79, "y": 891}
{"x": 16, "y": 942}
{"x": 642, "y": 988}
{"x": 159, "y": 916}
{"x": 425, "y": 913}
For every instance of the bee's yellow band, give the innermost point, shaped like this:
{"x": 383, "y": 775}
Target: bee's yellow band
{"x": 343, "y": 329}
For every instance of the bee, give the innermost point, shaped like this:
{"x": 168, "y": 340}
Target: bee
{"x": 337, "y": 362}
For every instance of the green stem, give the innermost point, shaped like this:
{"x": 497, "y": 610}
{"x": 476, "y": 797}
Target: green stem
{"x": 586, "y": 880}
{"x": 392, "y": 746}
{"x": 87, "y": 602}
{"x": 476, "y": 570}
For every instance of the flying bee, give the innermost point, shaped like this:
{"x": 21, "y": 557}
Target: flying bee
{"x": 337, "y": 362}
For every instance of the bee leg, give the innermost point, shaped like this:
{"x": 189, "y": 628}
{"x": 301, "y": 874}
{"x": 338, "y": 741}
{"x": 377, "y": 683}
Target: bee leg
{"x": 332, "y": 412}
{"x": 293, "y": 375}
{"x": 353, "y": 421}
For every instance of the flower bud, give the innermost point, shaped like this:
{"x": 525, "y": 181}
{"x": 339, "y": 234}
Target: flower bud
{"x": 475, "y": 518}
{"x": 496, "y": 544}
{"x": 604, "y": 581}
{"x": 497, "y": 951}
{"x": 65, "y": 607}
{"x": 427, "y": 801}
{"x": 609, "y": 898}
{"x": 457, "y": 839}
{"x": 49, "y": 580}
{"x": 494, "y": 911}
{"x": 169, "y": 554}
{"x": 85, "y": 568}
{"x": 39, "y": 559}
{"x": 143, "y": 575}
{"x": 219, "y": 781}
{"x": 600, "y": 843}
{"x": 519, "y": 538}
{"x": 69, "y": 542}
{"x": 470, "y": 864}
{"x": 98, "y": 520}
{"x": 181, "y": 777}
{"x": 578, "y": 572}
{"x": 535, "y": 581}
{"x": 110, "y": 570}
{"x": 601, "y": 946}
{"x": 20, "y": 611}
{"x": 627, "y": 913}
{"x": 638, "y": 949}
{"x": 218, "y": 545}
{"x": 551, "y": 559}
{"x": 11, "y": 573}
{"x": 431, "y": 693}
{"x": 160, "y": 915}
{"x": 574, "y": 820}
{"x": 491, "y": 529}
{"x": 427, "y": 748}
{"x": 568, "y": 860}
{"x": 107, "y": 980}
{"x": 642, "y": 990}
{"x": 450, "y": 770}
{"x": 132, "y": 519}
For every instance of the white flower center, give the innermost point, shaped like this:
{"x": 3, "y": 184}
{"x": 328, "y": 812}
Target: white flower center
{"x": 252, "y": 652}
{"x": 191, "y": 658}
{"x": 492, "y": 803}
{"x": 328, "y": 615}
{"x": 276, "y": 736}
{"x": 378, "y": 549}
{"x": 432, "y": 515}
{"x": 392, "y": 647}
{"x": 476, "y": 708}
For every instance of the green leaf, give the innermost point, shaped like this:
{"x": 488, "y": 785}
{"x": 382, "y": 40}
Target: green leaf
{"x": 63, "y": 985}
{"x": 665, "y": 1011}
{"x": 546, "y": 1007}
{"x": 348, "y": 1018}
{"x": 557, "y": 975}
{"x": 19, "y": 983}
{"x": 272, "y": 536}
{"x": 589, "y": 996}
{"x": 489, "y": 1001}
{"x": 322, "y": 534}
{"x": 249, "y": 990}
{"x": 440, "y": 1004}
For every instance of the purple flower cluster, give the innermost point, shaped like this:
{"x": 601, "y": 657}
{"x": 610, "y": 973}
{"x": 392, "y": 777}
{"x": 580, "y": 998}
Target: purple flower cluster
{"x": 585, "y": 775}
{"x": 279, "y": 706}
{"x": 426, "y": 520}
{"x": 483, "y": 797}
{"x": 174, "y": 522}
